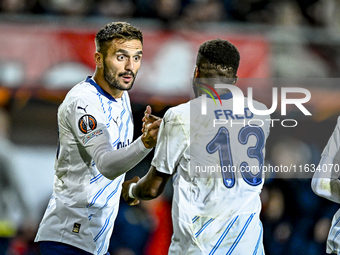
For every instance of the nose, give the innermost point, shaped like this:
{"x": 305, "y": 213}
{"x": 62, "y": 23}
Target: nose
{"x": 129, "y": 65}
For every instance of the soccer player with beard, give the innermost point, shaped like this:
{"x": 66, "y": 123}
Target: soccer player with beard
{"x": 95, "y": 148}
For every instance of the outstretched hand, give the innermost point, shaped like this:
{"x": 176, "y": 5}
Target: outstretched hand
{"x": 150, "y": 128}
{"x": 125, "y": 191}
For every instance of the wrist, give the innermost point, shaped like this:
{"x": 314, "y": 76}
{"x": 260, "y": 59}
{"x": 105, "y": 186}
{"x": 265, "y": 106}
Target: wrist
{"x": 145, "y": 142}
{"x": 132, "y": 185}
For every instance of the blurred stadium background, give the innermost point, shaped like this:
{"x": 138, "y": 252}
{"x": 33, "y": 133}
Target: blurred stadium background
{"x": 46, "y": 47}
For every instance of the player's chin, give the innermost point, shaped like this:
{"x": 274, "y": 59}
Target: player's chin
{"x": 127, "y": 85}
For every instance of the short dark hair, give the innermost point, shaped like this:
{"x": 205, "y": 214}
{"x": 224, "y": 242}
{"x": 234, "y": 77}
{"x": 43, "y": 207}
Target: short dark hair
{"x": 116, "y": 30}
{"x": 217, "y": 58}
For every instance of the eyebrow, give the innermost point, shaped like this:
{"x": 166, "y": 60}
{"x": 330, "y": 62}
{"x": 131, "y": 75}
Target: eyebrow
{"x": 127, "y": 53}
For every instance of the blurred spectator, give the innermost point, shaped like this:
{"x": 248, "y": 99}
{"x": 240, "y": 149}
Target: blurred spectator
{"x": 20, "y": 6}
{"x": 206, "y": 10}
{"x": 116, "y": 8}
{"x": 12, "y": 205}
{"x": 13, "y": 6}
{"x": 68, "y": 7}
{"x": 249, "y": 10}
{"x": 168, "y": 10}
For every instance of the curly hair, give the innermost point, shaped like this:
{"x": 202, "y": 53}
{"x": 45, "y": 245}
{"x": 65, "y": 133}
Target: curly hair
{"x": 217, "y": 58}
{"x": 116, "y": 30}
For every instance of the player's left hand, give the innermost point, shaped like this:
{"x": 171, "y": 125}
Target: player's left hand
{"x": 125, "y": 191}
{"x": 151, "y": 125}
{"x": 149, "y": 118}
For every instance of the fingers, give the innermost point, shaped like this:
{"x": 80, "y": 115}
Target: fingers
{"x": 154, "y": 125}
{"x": 135, "y": 179}
{"x": 125, "y": 192}
{"x": 148, "y": 110}
{"x": 136, "y": 202}
{"x": 148, "y": 117}
{"x": 151, "y": 129}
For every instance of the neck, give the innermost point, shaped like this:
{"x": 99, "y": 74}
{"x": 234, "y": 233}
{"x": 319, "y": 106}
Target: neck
{"x": 99, "y": 79}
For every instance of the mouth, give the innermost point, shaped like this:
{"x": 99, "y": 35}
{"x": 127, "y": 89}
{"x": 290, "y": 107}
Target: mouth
{"x": 127, "y": 77}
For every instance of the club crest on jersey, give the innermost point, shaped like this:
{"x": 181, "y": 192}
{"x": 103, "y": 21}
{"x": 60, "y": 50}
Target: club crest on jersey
{"x": 87, "y": 123}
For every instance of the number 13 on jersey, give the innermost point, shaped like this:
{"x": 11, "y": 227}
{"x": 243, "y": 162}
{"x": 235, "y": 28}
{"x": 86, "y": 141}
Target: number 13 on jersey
{"x": 221, "y": 143}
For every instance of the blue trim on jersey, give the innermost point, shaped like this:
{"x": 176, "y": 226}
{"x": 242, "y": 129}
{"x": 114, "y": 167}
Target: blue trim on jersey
{"x": 195, "y": 219}
{"x": 116, "y": 142}
{"x": 102, "y": 230}
{"x": 101, "y": 247}
{"x": 174, "y": 178}
{"x": 110, "y": 113}
{"x": 112, "y": 193}
{"x": 128, "y": 119}
{"x": 121, "y": 121}
{"x": 204, "y": 227}
{"x": 101, "y": 101}
{"x": 98, "y": 176}
{"x": 240, "y": 235}
{"x": 258, "y": 240}
{"x": 337, "y": 221}
{"x": 100, "y": 90}
{"x": 336, "y": 234}
{"x": 98, "y": 195}
{"x": 224, "y": 96}
{"x": 219, "y": 241}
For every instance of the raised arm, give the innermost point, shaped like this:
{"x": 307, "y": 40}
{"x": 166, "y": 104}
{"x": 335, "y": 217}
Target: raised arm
{"x": 96, "y": 142}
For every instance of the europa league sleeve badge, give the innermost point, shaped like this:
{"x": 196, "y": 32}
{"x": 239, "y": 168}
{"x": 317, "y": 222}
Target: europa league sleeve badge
{"x": 87, "y": 123}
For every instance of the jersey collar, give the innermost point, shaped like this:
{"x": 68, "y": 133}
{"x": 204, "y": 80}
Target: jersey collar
{"x": 224, "y": 96}
{"x": 100, "y": 90}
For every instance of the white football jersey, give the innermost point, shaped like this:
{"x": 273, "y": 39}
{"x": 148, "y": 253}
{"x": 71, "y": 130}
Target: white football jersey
{"x": 216, "y": 202}
{"x": 84, "y": 203}
{"x": 332, "y": 150}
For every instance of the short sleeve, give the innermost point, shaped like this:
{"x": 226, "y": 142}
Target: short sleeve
{"x": 172, "y": 141}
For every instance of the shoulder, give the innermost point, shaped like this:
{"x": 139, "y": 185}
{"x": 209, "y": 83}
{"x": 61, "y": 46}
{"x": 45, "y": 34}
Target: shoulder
{"x": 83, "y": 92}
{"x": 178, "y": 112}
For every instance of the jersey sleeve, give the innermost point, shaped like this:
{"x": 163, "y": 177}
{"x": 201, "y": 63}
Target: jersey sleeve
{"x": 89, "y": 127}
{"x": 171, "y": 144}
{"x": 84, "y": 117}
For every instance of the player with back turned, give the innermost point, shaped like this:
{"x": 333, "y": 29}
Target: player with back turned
{"x": 95, "y": 148}
{"x": 326, "y": 184}
{"x": 212, "y": 213}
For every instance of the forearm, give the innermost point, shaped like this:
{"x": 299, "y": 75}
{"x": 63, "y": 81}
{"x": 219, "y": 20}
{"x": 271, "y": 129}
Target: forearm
{"x": 324, "y": 184}
{"x": 143, "y": 191}
{"x": 150, "y": 186}
{"x": 112, "y": 163}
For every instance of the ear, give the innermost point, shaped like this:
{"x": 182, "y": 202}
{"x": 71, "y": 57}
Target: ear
{"x": 196, "y": 72}
{"x": 98, "y": 59}
{"x": 235, "y": 80}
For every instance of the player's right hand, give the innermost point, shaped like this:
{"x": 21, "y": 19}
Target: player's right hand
{"x": 125, "y": 191}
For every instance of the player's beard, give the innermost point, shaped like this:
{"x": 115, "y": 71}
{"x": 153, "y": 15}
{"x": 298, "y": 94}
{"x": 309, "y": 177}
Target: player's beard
{"x": 110, "y": 78}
